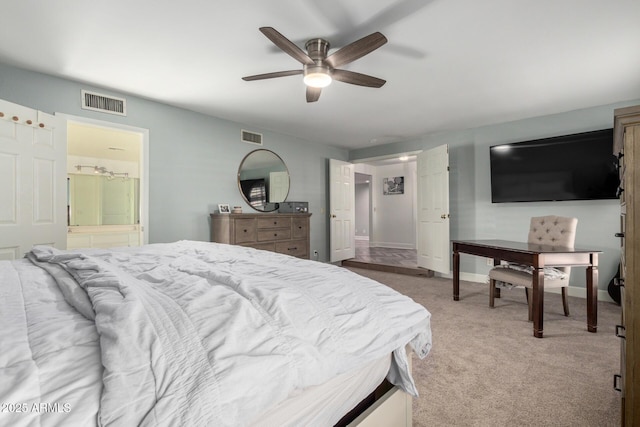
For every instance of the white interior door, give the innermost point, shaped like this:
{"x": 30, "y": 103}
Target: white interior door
{"x": 342, "y": 210}
{"x": 433, "y": 210}
{"x": 278, "y": 186}
{"x": 33, "y": 180}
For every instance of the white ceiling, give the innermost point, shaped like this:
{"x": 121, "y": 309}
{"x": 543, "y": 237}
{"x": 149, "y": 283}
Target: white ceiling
{"x": 448, "y": 64}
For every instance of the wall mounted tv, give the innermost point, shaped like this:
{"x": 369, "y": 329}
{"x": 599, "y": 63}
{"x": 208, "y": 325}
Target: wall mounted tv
{"x": 572, "y": 167}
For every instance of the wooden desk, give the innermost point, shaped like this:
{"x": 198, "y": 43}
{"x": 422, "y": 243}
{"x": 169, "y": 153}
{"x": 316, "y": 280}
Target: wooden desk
{"x": 538, "y": 256}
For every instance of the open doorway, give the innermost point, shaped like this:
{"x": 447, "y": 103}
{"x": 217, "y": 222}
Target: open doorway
{"x": 363, "y": 206}
{"x": 107, "y": 184}
{"x": 385, "y": 205}
{"x": 417, "y": 222}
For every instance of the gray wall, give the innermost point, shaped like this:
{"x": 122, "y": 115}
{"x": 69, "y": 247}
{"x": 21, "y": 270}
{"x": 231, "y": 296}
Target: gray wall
{"x": 394, "y": 219}
{"x": 193, "y": 158}
{"x": 473, "y": 216}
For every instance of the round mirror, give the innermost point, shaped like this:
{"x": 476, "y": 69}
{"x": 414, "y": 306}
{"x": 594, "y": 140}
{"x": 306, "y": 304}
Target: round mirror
{"x": 263, "y": 180}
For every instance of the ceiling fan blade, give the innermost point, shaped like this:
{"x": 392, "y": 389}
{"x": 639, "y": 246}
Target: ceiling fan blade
{"x": 272, "y": 75}
{"x": 286, "y": 45}
{"x": 313, "y": 93}
{"x": 357, "y": 49}
{"x": 357, "y": 78}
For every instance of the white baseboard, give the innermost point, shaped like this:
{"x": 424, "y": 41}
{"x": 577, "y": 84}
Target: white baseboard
{"x": 574, "y": 291}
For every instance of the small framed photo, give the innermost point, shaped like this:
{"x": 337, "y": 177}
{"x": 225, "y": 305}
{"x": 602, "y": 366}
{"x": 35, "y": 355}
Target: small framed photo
{"x": 223, "y": 208}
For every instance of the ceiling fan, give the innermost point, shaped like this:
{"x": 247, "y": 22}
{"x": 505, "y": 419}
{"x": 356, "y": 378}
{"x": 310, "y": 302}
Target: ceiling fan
{"x": 318, "y": 68}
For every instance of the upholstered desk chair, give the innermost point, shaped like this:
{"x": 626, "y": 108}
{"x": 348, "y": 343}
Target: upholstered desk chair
{"x": 545, "y": 230}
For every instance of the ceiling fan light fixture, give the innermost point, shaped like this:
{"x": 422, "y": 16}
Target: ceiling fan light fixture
{"x": 318, "y": 80}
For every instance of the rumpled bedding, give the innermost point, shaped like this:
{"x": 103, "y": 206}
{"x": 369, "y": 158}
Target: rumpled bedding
{"x": 194, "y": 333}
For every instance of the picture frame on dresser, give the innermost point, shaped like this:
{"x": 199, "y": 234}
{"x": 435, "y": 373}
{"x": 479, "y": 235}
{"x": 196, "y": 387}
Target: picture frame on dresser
{"x": 224, "y": 208}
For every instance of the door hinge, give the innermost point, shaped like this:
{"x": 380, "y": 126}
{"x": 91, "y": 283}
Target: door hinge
{"x": 448, "y": 168}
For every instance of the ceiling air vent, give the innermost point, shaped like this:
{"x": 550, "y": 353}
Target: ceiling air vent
{"x": 251, "y": 137}
{"x": 103, "y": 103}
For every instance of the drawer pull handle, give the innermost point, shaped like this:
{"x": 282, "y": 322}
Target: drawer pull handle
{"x": 618, "y": 329}
{"x": 245, "y": 230}
{"x": 616, "y": 382}
{"x": 275, "y": 222}
{"x": 275, "y": 234}
{"x": 293, "y": 249}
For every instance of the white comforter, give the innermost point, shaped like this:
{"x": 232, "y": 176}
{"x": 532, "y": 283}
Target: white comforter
{"x": 190, "y": 333}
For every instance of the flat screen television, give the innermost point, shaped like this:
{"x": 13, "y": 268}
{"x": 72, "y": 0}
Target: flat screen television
{"x": 571, "y": 167}
{"x": 255, "y": 191}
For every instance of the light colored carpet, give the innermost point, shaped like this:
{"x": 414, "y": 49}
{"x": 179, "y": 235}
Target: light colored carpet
{"x": 487, "y": 369}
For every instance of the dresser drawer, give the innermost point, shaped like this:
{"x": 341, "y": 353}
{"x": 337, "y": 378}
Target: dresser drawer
{"x": 296, "y": 248}
{"x": 300, "y": 228}
{"x": 270, "y": 246}
{"x": 286, "y": 233}
{"x": 245, "y": 231}
{"x": 274, "y": 234}
{"x": 274, "y": 222}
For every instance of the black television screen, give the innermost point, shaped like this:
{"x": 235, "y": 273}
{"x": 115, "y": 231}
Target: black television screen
{"x": 572, "y": 167}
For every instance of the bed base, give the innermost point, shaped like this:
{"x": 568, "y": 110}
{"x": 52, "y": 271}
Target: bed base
{"x": 386, "y": 406}
{"x": 394, "y": 408}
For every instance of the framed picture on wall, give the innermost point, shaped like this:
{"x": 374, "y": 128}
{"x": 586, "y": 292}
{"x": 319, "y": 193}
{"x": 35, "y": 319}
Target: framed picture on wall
{"x": 223, "y": 208}
{"x": 391, "y": 186}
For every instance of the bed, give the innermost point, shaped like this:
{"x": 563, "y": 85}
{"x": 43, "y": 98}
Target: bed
{"x": 194, "y": 333}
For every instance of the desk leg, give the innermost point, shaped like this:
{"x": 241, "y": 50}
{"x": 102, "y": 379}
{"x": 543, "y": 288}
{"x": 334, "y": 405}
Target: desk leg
{"x": 496, "y": 293}
{"x": 592, "y": 294}
{"x": 456, "y": 275}
{"x": 538, "y": 301}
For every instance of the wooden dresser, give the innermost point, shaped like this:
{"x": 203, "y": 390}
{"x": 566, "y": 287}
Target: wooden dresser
{"x": 278, "y": 232}
{"x": 627, "y": 148}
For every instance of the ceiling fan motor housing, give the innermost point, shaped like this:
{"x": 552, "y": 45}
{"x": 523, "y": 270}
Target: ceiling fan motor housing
{"x": 317, "y": 49}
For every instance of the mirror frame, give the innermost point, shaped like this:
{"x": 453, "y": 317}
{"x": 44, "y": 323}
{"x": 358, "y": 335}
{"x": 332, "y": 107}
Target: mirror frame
{"x": 286, "y": 169}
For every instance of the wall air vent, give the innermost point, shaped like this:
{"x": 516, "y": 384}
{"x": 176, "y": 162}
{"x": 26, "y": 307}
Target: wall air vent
{"x": 103, "y": 103}
{"x": 251, "y": 137}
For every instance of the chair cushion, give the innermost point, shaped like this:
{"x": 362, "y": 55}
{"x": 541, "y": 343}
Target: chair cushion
{"x": 555, "y": 279}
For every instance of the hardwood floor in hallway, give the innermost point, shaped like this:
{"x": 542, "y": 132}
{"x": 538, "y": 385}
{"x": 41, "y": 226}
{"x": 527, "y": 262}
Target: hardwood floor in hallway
{"x": 403, "y": 261}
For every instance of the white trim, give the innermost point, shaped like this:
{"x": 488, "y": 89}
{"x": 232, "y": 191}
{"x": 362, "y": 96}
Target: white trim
{"x": 144, "y": 163}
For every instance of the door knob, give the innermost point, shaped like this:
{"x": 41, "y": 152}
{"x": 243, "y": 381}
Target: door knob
{"x": 333, "y": 216}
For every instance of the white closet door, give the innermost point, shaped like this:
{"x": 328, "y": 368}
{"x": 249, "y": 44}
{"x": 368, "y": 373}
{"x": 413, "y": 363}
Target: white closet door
{"x": 33, "y": 180}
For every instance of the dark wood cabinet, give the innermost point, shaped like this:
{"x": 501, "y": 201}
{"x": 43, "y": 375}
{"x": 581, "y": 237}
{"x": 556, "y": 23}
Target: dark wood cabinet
{"x": 627, "y": 149}
{"x": 283, "y": 233}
